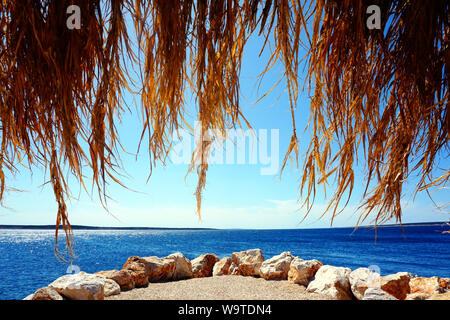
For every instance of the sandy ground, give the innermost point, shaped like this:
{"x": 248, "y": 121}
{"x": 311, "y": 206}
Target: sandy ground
{"x": 220, "y": 288}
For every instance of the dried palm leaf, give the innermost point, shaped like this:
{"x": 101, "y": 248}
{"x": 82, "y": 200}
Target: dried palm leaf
{"x": 380, "y": 94}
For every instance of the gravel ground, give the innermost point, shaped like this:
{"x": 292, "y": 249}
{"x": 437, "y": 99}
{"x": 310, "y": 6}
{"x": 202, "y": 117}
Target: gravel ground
{"x": 220, "y": 288}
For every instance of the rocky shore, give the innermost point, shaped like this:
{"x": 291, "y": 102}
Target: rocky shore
{"x": 312, "y": 276}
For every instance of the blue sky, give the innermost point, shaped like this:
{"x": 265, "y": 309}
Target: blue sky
{"x": 236, "y": 195}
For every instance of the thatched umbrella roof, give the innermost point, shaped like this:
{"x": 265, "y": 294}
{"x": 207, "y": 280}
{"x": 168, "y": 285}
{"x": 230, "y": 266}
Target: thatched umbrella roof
{"x": 378, "y": 94}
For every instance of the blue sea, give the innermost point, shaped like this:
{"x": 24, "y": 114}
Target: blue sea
{"x": 27, "y": 260}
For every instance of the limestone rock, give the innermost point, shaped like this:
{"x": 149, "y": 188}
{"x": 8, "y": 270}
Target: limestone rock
{"x": 302, "y": 271}
{"x": 234, "y": 270}
{"x": 160, "y": 269}
{"x": 249, "y": 261}
{"x": 80, "y": 286}
{"x": 377, "y": 294}
{"x": 276, "y": 267}
{"x": 397, "y": 284}
{"x": 431, "y": 285}
{"x": 45, "y": 293}
{"x": 222, "y": 267}
{"x": 139, "y": 270}
{"x": 445, "y": 283}
{"x": 332, "y": 281}
{"x": 361, "y": 279}
{"x": 183, "y": 267}
{"x": 111, "y": 288}
{"x": 418, "y": 296}
{"x": 203, "y": 265}
{"x": 121, "y": 277}
{"x": 440, "y": 296}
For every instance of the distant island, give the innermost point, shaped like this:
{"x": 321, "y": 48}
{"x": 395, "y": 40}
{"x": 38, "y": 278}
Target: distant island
{"x": 78, "y": 227}
{"x": 414, "y": 224}
{"x": 81, "y": 227}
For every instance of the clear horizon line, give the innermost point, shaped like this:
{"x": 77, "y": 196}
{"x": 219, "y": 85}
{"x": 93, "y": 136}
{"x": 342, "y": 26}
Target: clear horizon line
{"x": 80, "y": 227}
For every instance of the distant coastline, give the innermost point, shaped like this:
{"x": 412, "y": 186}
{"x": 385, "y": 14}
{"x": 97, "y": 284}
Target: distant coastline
{"x": 414, "y": 224}
{"x": 79, "y": 227}
{"x": 82, "y": 227}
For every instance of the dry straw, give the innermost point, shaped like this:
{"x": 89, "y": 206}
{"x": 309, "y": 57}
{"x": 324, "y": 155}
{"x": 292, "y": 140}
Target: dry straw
{"x": 380, "y": 94}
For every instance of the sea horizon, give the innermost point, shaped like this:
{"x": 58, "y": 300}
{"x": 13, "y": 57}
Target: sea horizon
{"x": 88, "y": 227}
{"x": 421, "y": 250}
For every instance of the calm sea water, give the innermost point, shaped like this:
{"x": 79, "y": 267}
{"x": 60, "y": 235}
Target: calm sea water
{"x": 27, "y": 260}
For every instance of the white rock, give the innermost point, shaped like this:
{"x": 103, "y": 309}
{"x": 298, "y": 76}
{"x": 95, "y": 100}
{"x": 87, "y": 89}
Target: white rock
{"x": 46, "y": 293}
{"x": 234, "y": 270}
{"x": 377, "y": 294}
{"x": 397, "y": 284}
{"x": 183, "y": 266}
{"x": 248, "y": 261}
{"x": 111, "y": 287}
{"x": 332, "y": 281}
{"x": 222, "y": 267}
{"x": 302, "y": 271}
{"x": 80, "y": 286}
{"x": 203, "y": 265}
{"x": 122, "y": 277}
{"x": 276, "y": 267}
{"x": 361, "y": 279}
{"x": 418, "y": 296}
{"x": 432, "y": 285}
{"x": 160, "y": 269}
